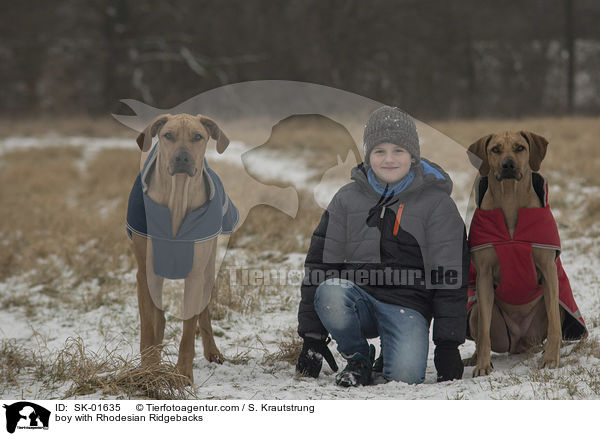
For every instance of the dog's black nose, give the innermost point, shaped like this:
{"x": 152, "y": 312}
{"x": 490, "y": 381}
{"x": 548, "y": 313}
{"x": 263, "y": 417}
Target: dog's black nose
{"x": 508, "y": 164}
{"x": 182, "y": 157}
{"x": 182, "y": 162}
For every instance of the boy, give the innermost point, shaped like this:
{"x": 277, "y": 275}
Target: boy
{"x": 389, "y": 255}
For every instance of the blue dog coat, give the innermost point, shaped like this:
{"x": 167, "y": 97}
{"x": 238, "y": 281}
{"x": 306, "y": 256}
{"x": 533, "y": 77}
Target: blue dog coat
{"x": 174, "y": 255}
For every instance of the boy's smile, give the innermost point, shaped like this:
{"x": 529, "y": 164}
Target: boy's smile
{"x": 390, "y": 162}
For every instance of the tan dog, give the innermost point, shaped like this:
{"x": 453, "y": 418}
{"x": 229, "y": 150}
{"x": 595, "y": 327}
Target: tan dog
{"x": 508, "y": 160}
{"x": 178, "y": 183}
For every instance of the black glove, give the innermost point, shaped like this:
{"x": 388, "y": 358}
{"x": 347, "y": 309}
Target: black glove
{"x": 311, "y": 357}
{"x": 448, "y": 362}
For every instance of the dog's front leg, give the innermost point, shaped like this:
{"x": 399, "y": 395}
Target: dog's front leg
{"x": 152, "y": 319}
{"x": 546, "y": 264}
{"x": 152, "y": 323}
{"x": 211, "y": 352}
{"x": 485, "y": 304}
{"x": 185, "y": 360}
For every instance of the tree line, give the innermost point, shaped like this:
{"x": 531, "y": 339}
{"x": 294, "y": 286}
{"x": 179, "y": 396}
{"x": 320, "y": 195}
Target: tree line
{"x": 434, "y": 58}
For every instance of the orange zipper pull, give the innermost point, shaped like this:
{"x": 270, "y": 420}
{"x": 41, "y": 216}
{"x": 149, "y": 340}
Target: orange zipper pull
{"x": 398, "y": 216}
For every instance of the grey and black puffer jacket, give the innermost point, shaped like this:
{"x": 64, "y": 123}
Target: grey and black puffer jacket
{"x": 417, "y": 258}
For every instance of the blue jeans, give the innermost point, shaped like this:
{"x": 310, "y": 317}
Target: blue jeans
{"x": 351, "y": 316}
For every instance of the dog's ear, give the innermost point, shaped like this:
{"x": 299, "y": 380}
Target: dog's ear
{"x": 144, "y": 139}
{"x": 215, "y": 133}
{"x": 537, "y": 149}
{"x": 479, "y": 149}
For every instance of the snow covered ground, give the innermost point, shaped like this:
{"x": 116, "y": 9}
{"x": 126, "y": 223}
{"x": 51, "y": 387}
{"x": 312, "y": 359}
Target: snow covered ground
{"x": 256, "y": 335}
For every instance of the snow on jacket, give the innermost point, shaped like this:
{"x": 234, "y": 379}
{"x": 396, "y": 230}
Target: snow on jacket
{"x": 536, "y": 227}
{"x": 409, "y": 250}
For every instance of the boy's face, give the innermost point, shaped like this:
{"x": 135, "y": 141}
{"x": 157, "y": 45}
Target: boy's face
{"x": 390, "y": 162}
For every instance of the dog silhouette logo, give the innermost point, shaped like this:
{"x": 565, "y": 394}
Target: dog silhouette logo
{"x": 25, "y": 415}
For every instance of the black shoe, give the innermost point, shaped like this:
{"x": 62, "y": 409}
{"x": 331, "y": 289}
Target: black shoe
{"x": 358, "y": 370}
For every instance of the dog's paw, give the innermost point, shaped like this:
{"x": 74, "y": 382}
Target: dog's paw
{"x": 550, "y": 356}
{"x": 548, "y": 362}
{"x": 215, "y": 358}
{"x": 482, "y": 370}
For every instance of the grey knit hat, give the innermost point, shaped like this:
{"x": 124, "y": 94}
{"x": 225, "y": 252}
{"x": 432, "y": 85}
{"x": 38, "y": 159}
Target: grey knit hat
{"x": 390, "y": 124}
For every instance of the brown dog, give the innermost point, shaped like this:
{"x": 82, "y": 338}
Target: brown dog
{"x": 508, "y": 160}
{"x": 178, "y": 183}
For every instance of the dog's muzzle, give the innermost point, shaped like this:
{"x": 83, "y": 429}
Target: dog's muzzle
{"x": 182, "y": 163}
{"x": 509, "y": 171}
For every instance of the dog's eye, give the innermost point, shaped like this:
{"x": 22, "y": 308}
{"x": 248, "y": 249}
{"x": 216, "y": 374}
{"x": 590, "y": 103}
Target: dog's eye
{"x": 495, "y": 149}
{"x": 197, "y": 137}
{"x": 520, "y": 148}
{"x": 169, "y": 136}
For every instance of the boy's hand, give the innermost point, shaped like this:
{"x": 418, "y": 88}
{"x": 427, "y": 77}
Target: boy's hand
{"x": 311, "y": 357}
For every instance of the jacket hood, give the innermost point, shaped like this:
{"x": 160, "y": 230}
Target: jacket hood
{"x": 427, "y": 174}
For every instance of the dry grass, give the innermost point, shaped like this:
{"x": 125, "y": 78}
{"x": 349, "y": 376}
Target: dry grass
{"x": 246, "y": 298}
{"x": 240, "y": 358}
{"x": 573, "y": 380}
{"x": 51, "y": 208}
{"x": 578, "y": 382}
{"x": 586, "y": 347}
{"x": 19, "y": 301}
{"x": 14, "y": 359}
{"x": 288, "y": 349}
{"x": 88, "y": 372}
{"x": 240, "y": 299}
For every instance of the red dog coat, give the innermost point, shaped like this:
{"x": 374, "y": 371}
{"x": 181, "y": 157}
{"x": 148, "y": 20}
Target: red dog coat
{"x": 536, "y": 227}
